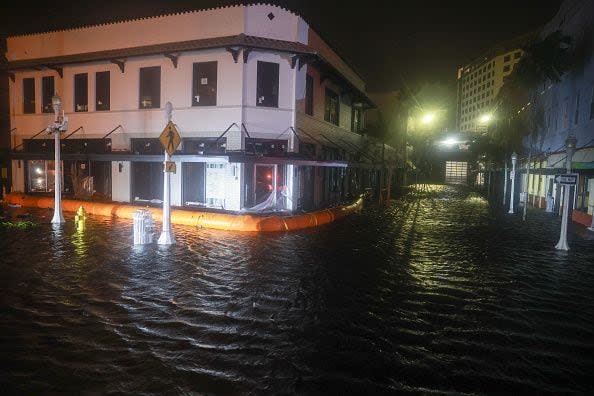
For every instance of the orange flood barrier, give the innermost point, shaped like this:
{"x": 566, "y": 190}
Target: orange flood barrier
{"x": 219, "y": 221}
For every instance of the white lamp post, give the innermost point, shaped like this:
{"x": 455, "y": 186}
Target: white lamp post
{"x": 167, "y": 237}
{"x": 512, "y": 176}
{"x": 504, "y": 181}
{"x": 570, "y": 144}
{"x": 59, "y": 125}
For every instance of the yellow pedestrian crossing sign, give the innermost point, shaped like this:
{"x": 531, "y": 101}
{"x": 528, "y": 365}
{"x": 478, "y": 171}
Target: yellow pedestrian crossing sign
{"x": 170, "y": 138}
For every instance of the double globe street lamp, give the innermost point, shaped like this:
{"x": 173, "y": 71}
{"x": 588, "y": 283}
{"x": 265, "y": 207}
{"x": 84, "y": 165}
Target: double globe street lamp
{"x": 59, "y": 125}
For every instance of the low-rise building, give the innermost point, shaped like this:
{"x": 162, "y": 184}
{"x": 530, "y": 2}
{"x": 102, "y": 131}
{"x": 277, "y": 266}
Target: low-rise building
{"x": 268, "y": 112}
{"x": 566, "y": 109}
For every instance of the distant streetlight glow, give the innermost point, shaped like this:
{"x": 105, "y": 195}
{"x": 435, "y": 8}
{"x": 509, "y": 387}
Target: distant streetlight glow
{"x": 428, "y": 118}
{"x": 485, "y": 118}
{"x": 449, "y": 141}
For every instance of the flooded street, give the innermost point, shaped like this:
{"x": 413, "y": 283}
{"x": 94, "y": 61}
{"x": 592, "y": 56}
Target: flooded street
{"x": 439, "y": 292}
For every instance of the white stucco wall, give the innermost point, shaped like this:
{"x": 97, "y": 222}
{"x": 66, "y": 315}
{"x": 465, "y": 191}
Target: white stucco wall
{"x": 163, "y": 29}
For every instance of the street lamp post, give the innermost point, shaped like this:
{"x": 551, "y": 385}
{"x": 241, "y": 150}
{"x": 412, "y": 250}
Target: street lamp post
{"x": 570, "y": 144}
{"x": 167, "y": 237}
{"x": 59, "y": 125}
{"x": 504, "y": 181}
{"x": 512, "y": 176}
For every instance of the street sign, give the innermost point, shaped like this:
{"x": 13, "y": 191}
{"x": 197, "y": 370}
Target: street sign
{"x": 567, "y": 179}
{"x": 170, "y": 166}
{"x": 170, "y": 138}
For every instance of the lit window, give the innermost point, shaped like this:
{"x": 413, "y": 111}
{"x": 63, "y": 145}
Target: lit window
{"x": 28, "y": 95}
{"x": 150, "y": 88}
{"x": 47, "y": 92}
{"x": 102, "y": 91}
{"x": 267, "y": 84}
{"x": 81, "y": 92}
{"x": 331, "y": 109}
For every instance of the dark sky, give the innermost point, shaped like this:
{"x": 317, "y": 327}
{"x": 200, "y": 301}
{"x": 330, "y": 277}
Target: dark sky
{"x": 388, "y": 42}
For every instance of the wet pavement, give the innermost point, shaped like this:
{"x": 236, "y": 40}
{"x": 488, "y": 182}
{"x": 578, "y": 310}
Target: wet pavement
{"x": 441, "y": 292}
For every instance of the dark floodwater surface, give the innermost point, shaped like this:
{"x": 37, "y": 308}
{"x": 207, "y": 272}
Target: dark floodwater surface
{"x": 437, "y": 293}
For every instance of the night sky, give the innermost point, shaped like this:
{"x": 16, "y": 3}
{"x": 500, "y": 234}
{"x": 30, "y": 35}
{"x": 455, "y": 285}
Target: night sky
{"x": 388, "y": 42}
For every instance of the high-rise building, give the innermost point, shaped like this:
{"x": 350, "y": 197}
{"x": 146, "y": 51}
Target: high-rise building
{"x": 480, "y": 81}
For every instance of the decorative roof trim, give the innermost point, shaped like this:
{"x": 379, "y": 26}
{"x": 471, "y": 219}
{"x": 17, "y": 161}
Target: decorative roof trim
{"x": 240, "y": 40}
{"x": 128, "y": 20}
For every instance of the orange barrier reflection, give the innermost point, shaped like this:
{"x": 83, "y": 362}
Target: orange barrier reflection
{"x": 219, "y": 221}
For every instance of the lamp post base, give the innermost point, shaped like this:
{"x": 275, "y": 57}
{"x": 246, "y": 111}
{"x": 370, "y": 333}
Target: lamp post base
{"x": 562, "y": 245}
{"x": 166, "y": 238}
{"x": 58, "y": 218}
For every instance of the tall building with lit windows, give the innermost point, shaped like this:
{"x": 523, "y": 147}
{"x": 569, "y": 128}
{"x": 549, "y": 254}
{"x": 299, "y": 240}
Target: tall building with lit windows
{"x": 480, "y": 81}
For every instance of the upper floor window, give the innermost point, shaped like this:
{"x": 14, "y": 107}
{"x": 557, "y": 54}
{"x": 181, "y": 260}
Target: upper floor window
{"x": 204, "y": 84}
{"x": 309, "y": 95}
{"x": 267, "y": 88}
{"x": 517, "y": 55}
{"x": 81, "y": 92}
{"x": 592, "y": 104}
{"x": 150, "y": 88}
{"x": 576, "y": 114}
{"x": 331, "y": 108}
{"x": 47, "y": 92}
{"x": 102, "y": 91}
{"x": 28, "y": 95}
{"x": 507, "y": 58}
{"x": 356, "y": 119}
{"x": 506, "y": 68}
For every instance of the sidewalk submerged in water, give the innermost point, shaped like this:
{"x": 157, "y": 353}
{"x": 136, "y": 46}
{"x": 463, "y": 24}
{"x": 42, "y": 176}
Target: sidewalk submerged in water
{"x": 219, "y": 221}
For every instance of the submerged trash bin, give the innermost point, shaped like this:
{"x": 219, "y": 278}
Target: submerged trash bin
{"x": 143, "y": 227}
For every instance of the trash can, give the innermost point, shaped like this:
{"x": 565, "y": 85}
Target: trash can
{"x": 143, "y": 227}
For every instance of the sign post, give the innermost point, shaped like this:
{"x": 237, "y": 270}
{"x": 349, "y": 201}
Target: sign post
{"x": 170, "y": 140}
{"x": 567, "y": 180}
{"x": 512, "y": 177}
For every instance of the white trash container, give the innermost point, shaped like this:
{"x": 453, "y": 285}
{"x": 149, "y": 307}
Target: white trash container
{"x": 143, "y": 227}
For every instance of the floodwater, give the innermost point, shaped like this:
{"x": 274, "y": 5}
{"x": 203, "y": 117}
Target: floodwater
{"x": 440, "y": 292}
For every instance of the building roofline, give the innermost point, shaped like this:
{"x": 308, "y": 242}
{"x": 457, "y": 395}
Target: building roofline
{"x": 191, "y": 11}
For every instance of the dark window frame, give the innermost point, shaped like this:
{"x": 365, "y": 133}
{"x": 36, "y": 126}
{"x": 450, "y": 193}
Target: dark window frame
{"x": 81, "y": 92}
{"x": 267, "y": 86}
{"x": 29, "y": 100}
{"x": 47, "y": 93}
{"x": 330, "y": 97}
{"x": 103, "y": 93}
{"x": 309, "y": 95}
{"x": 149, "y": 87}
{"x": 204, "y": 94}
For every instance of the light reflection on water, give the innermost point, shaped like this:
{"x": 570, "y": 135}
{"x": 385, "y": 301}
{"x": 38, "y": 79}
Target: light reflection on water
{"x": 435, "y": 293}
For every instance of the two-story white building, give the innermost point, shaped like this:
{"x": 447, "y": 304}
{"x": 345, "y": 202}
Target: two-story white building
{"x": 268, "y": 113}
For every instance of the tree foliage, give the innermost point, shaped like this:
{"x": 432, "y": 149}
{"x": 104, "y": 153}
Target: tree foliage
{"x": 519, "y": 110}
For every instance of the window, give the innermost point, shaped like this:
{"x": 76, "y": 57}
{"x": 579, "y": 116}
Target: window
{"x": 565, "y": 113}
{"x": 204, "y": 84}
{"x": 506, "y": 68}
{"x": 28, "y": 95}
{"x": 592, "y": 104}
{"x": 576, "y": 115}
{"x": 81, "y": 92}
{"x": 150, "y": 88}
{"x": 309, "y": 95}
{"x": 507, "y": 58}
{"x": 331, "y": 109}
{"x": 267, "y": 80}
{"x": 517, "y": 55}
{"x": 356, "y": 119}
{"x": 102, "y": 91}
{"x": 47, "y": 92}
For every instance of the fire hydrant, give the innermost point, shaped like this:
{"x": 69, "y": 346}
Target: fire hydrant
{"x": 80, "y": 218}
